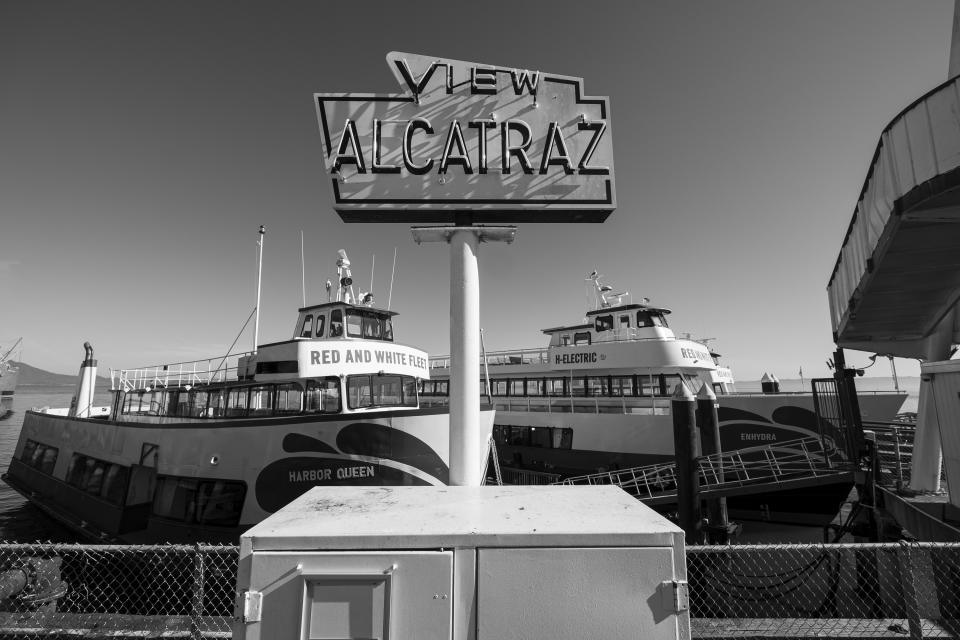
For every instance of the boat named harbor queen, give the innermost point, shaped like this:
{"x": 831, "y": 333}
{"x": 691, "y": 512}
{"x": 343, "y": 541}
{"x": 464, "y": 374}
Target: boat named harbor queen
{"x": 597, "y": 399}
{"x": 201, "y": 451}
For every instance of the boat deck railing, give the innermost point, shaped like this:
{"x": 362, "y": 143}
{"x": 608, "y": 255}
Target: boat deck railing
{"x": 741, "y": 471}
{"x": 177, "y": 374}
{"x": 541, "y": 356}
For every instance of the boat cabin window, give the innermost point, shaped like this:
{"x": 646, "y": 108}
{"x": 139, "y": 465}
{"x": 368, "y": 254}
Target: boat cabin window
{"x": 381, "y": 391}
{"x": 321, "y": 321}
{"x": 289, "y": 398}
{"x": 621, "y": 386}
{"x": 624, "y": 321}
{"x": 582, "y": 337}
{"x": 322, "y": 396}
{"x": 603, "y": 323}
{"x": 555, "y": 387}
{"x": 208, "y": 502}
{"x": 261, "y": 400}
{"x": 565, "y": 340}
{"x": 39, "y": 456}
{"x": 544, "y": 437}
{"x": 433, "y": 387}
{"x": 336, "y": 323}
{"x": 307, "y": 329}
{"x": 98, "y": 477}
{"x": 237, "y": 402}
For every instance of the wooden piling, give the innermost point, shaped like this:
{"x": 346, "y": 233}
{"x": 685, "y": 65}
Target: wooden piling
{"x": 686, "y": 451}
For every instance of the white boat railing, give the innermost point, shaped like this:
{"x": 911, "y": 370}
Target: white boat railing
{"x": 177, "y": 374}
{"x": 542, "y": 356}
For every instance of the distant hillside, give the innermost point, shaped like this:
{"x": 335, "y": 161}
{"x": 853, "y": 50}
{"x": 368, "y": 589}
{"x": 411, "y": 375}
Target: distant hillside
{"x": 33, "y": 376}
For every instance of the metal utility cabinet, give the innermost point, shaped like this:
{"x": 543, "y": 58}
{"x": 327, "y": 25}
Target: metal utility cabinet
{"x": 463, "y": 563}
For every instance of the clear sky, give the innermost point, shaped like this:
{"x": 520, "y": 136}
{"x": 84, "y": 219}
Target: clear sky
{"x": 142, "y": 143}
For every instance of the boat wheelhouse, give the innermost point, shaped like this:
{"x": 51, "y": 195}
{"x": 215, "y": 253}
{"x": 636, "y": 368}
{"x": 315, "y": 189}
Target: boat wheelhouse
{"x": 201, "y": 451}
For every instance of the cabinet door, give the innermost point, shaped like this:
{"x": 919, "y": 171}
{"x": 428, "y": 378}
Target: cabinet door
{"x": 575, "y": 593}
{"x": 351, "y": 595}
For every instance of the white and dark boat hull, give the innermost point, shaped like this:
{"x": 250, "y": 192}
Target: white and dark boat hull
{"x": 270, "y": 460}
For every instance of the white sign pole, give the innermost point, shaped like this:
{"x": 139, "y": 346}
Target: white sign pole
{"x": 466, "y": 452}
{"x": 465, "y": 466}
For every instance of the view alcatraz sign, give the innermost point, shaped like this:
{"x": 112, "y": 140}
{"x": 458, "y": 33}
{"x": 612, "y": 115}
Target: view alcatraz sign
{"x": 469, "y": 142}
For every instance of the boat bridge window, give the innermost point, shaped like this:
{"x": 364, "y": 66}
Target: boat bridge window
{"x": 603, "y": 323}
{"x": 100, "y": 478}
{"x": 369, "y": 325}
{"x": 321, "y": 321}
{"x": 581, "y": 338}
{"x": 191, "y": 500}
{"x": 381, "y": 391}
{"x": 336, "y": 323}
{"x": 40, "y": 456}
{"x": 650, "y": 319}
{"x": 322, "y": 396}
{"x": 565, "y": 340}
{"x": 543, "y": 437}
{"x": 307, "y": 329}
{"x": 624, "y": 321}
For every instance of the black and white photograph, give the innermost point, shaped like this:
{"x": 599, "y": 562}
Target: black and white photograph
{"x": 424, "y": 320}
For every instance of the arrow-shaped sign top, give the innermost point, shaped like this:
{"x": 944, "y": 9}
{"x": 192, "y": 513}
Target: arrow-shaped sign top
{"x": 469, "y": 142}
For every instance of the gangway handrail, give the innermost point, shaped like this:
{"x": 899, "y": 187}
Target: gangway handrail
{"x": 774, "y": 464}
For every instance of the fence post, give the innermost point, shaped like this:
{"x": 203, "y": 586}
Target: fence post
{"x": 198, "y": 580}
{"x": 909, "y": 587}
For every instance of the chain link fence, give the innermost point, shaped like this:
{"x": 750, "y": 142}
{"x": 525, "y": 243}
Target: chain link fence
{"x": 71, "y": 590}
{"x": 839, "y": 591}
{"x": 892, "y": 590}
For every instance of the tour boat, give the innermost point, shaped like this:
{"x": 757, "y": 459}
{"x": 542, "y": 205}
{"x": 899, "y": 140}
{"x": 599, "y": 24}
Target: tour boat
{"x": 201, "y": 451}
{"x": 9, "y": 372}
{"x": 597, "y": 398}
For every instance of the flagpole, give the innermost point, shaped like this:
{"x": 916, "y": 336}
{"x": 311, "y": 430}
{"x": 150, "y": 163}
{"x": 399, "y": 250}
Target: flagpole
{"x": 802, "y": 384}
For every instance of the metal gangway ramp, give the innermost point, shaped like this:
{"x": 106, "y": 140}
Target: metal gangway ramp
{"x": 777, "y": 467}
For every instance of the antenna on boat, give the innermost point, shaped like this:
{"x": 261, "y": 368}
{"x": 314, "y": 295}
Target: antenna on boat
{"x": 345, "y": 289}
{"x": 392, "y": 272}
{"x": 303, "y": 277}
{"x": 373, "y": 265}
{"x": 256, "y": 320}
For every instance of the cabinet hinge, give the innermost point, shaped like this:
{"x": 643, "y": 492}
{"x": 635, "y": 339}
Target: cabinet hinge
{"x": 252, "y": 605}
{"x": 676, "y": 595}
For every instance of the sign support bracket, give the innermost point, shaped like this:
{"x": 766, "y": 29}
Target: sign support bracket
{"x": 465, "y": 442}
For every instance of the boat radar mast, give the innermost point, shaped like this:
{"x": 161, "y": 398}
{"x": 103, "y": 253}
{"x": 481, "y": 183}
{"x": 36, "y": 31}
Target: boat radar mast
{"x": 604, "y": 297}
